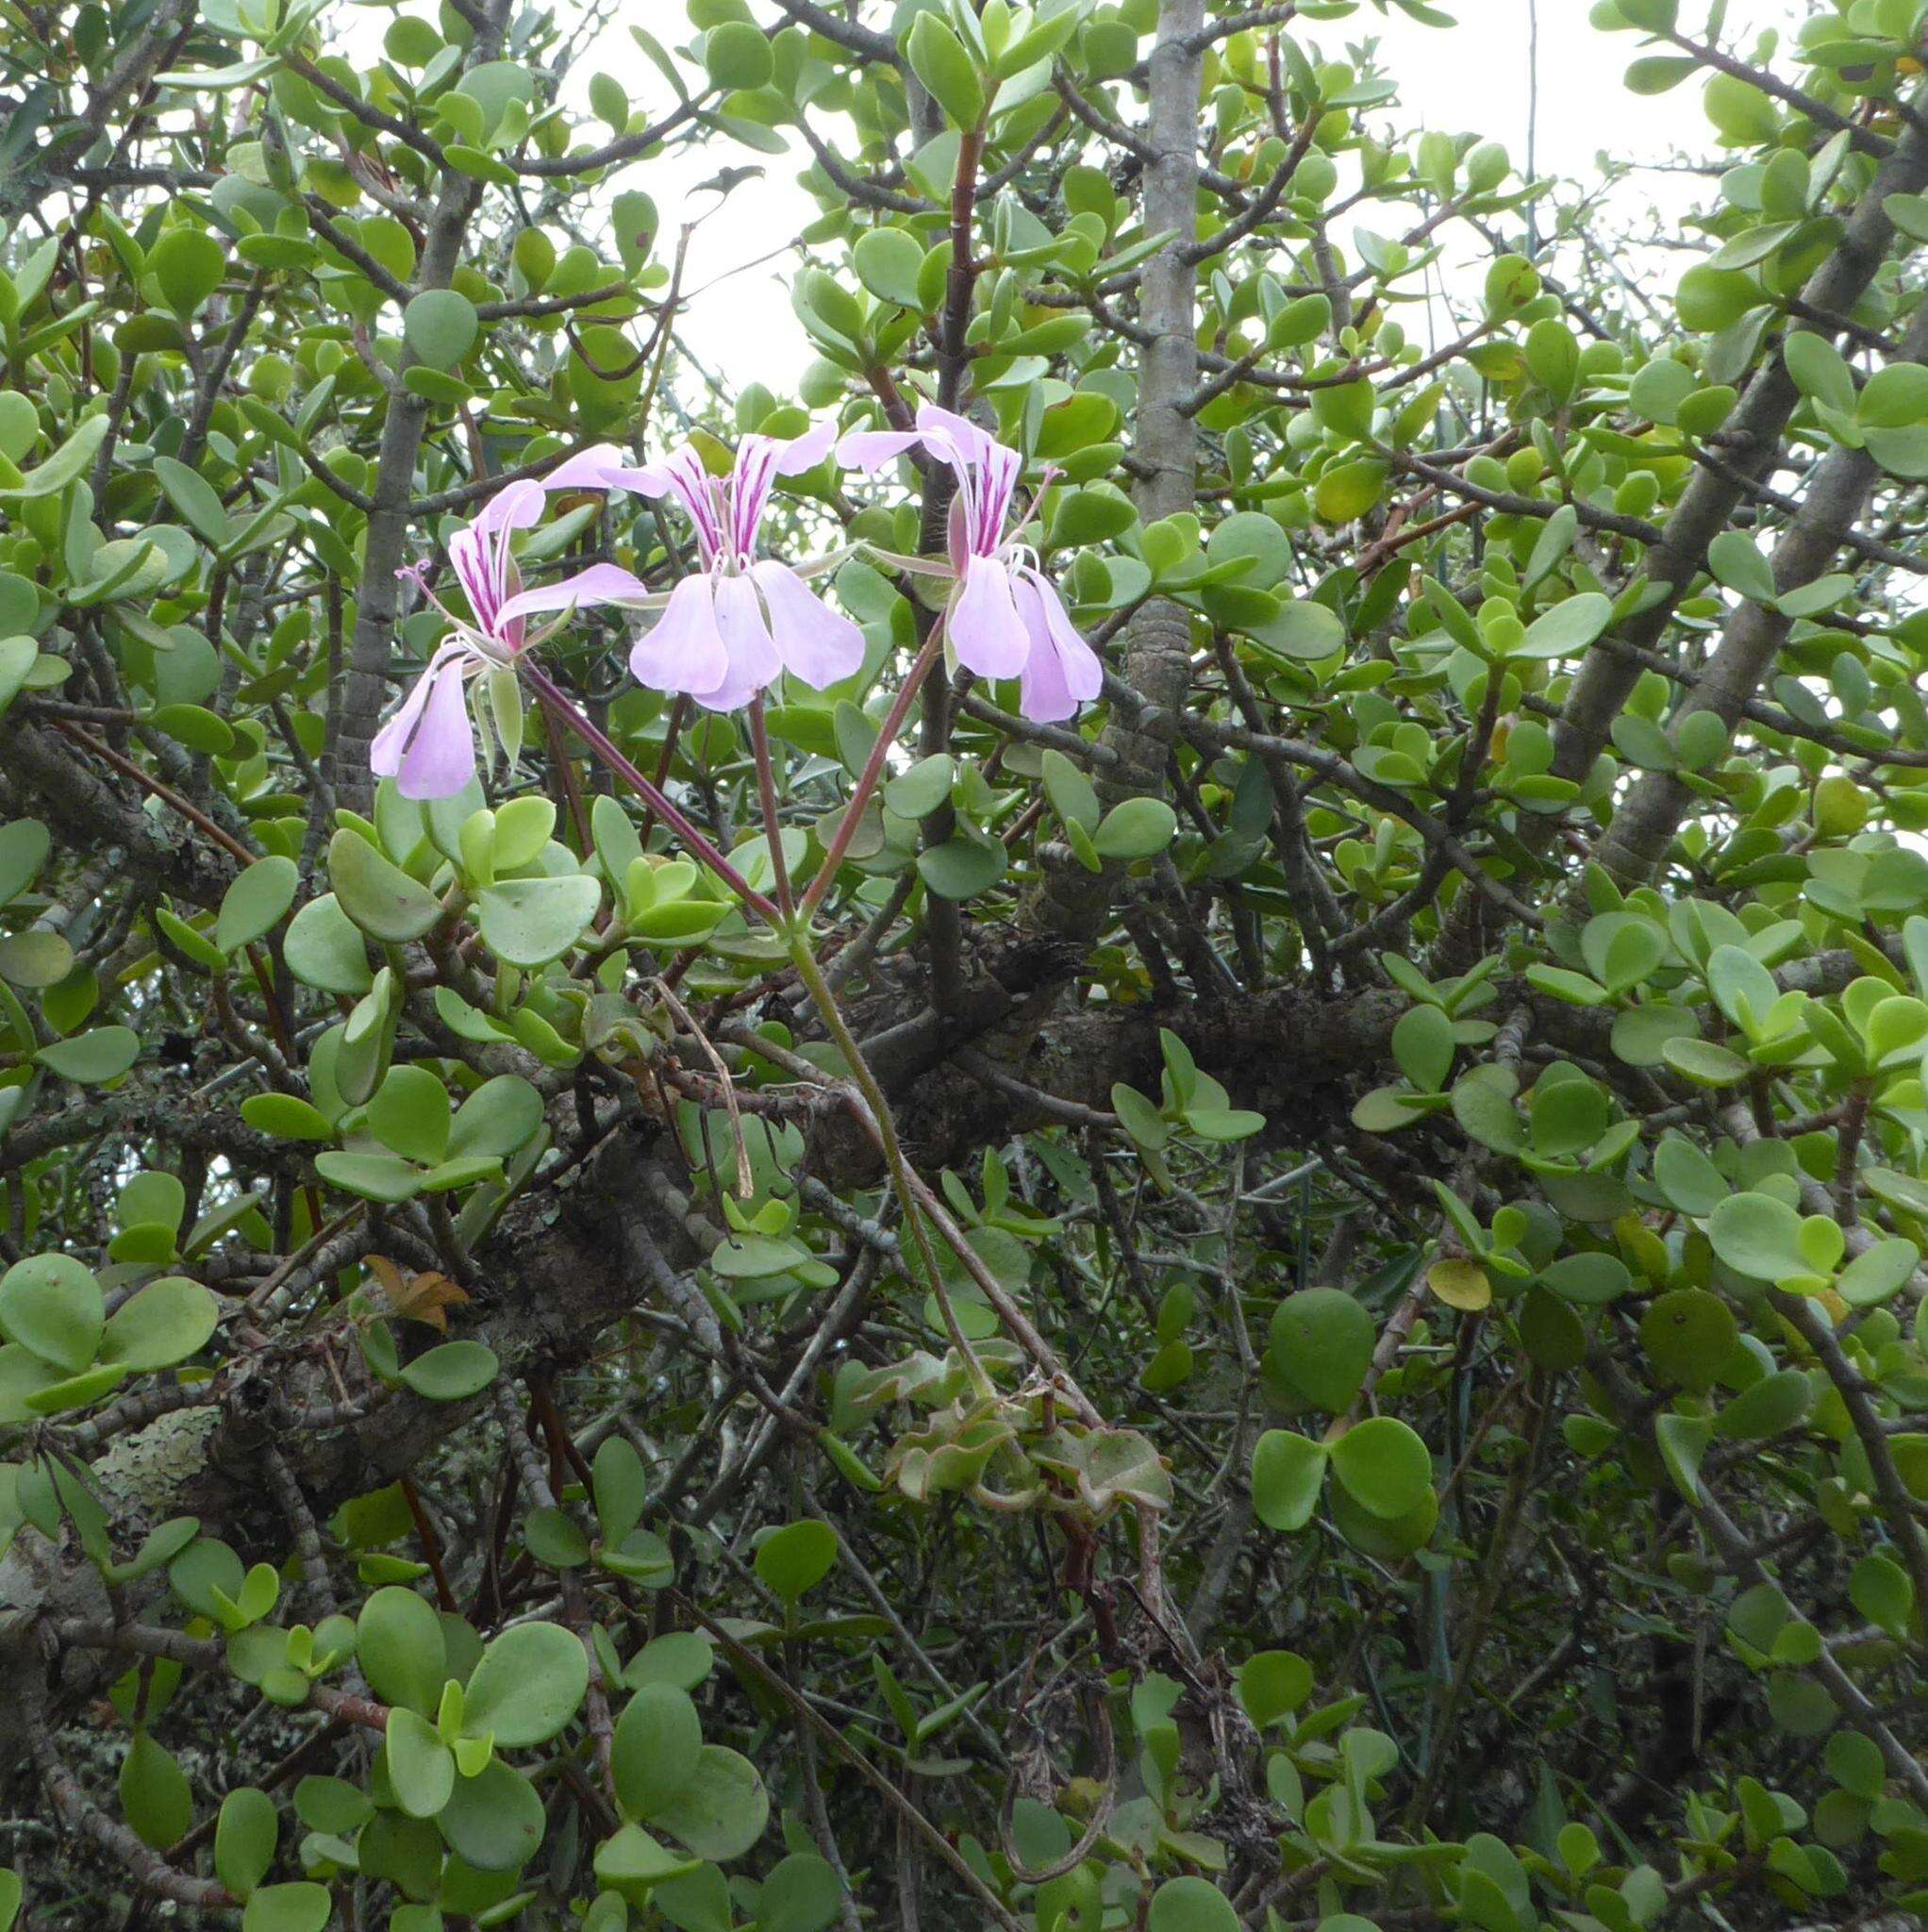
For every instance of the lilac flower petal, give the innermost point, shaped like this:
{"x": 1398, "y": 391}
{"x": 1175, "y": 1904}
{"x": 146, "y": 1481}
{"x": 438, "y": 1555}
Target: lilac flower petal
{"x": 752, "y": 659}
{"x": 958, "y": 439}
{"x": 986, "y": 472}
{"x": 606, "y": 467}
{"x": 997, "y": 483}
{"x": 749, "y": 487}
{"x": 685, "y": 478}
{"x": 760, "y": 460}
{"x": 986, "y": 630}
{"x": 428, "y": 747}
{"x": 961, "y": 428}
{"x": 1083, "y": 671}
{"x": 514, "y": 507}
{"x": 957, "y": 528}
{"x": 391, "y": 740}
{"x": 587, "y": 468}
{"x": 869, "y": 450}
{"x": 601, "y": 583}
{"x": 803, "y": 452}
{"x": 1043, "y": 695}
{"x": 469, "y": 557}
{"x": 481, "y": 553}
{"x": 1062, "y": 669}
{"x": 684, "y": 651}
{"x": 816, "y": 643}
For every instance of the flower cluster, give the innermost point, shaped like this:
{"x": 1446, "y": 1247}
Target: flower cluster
{"x": 1006, "y": 619}
{"x": 726, "y": 630}
{"x": 427, "y": 747}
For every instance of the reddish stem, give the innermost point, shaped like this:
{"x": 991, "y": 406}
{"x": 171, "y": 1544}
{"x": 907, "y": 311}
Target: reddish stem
{"x": 678, "y": 711}
{"x": 873, "y": 767}
{"x": 766, "y": 788}
{"x": 680, "y": 827}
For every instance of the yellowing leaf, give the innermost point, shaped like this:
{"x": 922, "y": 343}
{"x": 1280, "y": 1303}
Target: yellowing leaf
{"x": 1461, "y": 1284}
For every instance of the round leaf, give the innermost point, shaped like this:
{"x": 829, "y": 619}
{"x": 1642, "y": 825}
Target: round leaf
{"x": 528, "y": 1683}
{"x": 499, "y": 1119}
{"x": 34, "y": 958}
{"x": 154, "y": 1794}
{"x": 797, "y": 1557}
{"x": 1383, "y": 1465}
{"x": 738, "y": 56}
{"x": 682, "y": 1658}
{"x": 409, "y": 1114}
{"x": 802, "y": 1894}
{"x": 24, "y": 844}
{"x": 90, "y": 1059}
{"x": 440, "y": 326}
{"x": 245, "y": 1839}
{"x": 377, "y": 894}
{"x": 721, "y": 1813}
{"x": 324, "y": 949}
{"x": 373, "y": 1176}
{"x": 1273, "y": 1682}
{"x": 1877, "y": 1273}
{"x": 1390, "y": 1538}
{"x": 1589, "y": 1280}
{"x": 1288, "y": 1473}
{"x": 286, "y": 1117}
{"x": 961, "y": 868}
{"x": 188, "y": 263}
{"x": 399, "y": 1643}
{"x": 1460, "y": 1284}
{"x": 887, "y": 261}
{"x": 530, "y": 922}
{"x": 163, "y": 1324}
{"x": 303, "y": 1906}
{"x": 1321, "y": 1344}
{"x": 494, "y": 1820}
{"x": 1686, "y": 1334}
{"x": 1758, "y": 1237}
{"x": 1423, "y": 1048}
{"x": 1191, "y": 1905}
{"x": 451, "y": 1373}
{"x": 1771, "y": 1405}
{"x": 420, "y": 1769}
{"x": 255, "y": 902}
{"x": 1135, "y": 828}
{"x": 51, "y": 1305}
{"x": 658, "y": 1742}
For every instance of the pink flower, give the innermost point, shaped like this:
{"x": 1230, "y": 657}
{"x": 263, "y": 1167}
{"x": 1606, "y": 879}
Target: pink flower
{"x": 1007, "y": 620}
{"x": 731, "y": 626}
{"x": 428, "y": 746}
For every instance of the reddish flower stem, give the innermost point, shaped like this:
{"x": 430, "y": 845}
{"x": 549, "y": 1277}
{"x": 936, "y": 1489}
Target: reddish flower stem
{"x": 874, "y": 766}
{"x": 766, "y": 788}
{"x": 699, "y": 847}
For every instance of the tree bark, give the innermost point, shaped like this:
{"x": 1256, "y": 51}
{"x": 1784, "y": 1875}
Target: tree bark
{"x": 385, "y": 546}
{"x": 1605, "y": 680}
{"x": 1157, "y": 653}
{"x": 1645, "y": 823}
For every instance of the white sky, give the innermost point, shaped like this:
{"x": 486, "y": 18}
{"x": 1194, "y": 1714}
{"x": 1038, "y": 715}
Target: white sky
{"x": 1473, "y": 78}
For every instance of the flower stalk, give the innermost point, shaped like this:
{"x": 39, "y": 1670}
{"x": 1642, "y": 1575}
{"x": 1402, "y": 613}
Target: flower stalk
{"x": 873, "y": 769}
{"x": 700, "y": 848}
{"x": 902, "y": 1180}
{"x": 792, "y": 920}
{"x": 772, "y": 825}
